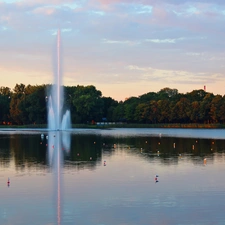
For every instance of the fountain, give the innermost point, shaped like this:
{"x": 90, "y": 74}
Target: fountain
{"x": 57, "y": 121}
{"x": 58, "y": 126}
{"x": 55, "y": 104}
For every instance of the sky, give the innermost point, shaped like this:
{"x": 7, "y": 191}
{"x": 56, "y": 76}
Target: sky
{"x": 124, "y": 48}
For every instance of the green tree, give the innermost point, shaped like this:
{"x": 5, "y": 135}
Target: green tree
{"x": 148, "y": 97}
{"x": 118, "y": 113}
{"x": 109, "y": 105}
{"x": 222, "y": 110}
{"x": 142, "y": 112}
{"x": 17, "y": 104}
{"x": 129, "y": 108}
{"x": 68, "y": 102}
{"x": 5, "y": 98}
{"x": 182, "y": 109}
{"x": 167, "y": 93}
{"x": 88, "y": 104}
{"x": 194, "y": 111}
{"x": 215, "y": 106}
{"x": 205, "y": 105}
{"x": 28, "y": 104}
{"x": 36, "y": 106}
{"x": 153, "y": 115}
{"x": 163, "y": 110}
{"x": 196, "y": 95}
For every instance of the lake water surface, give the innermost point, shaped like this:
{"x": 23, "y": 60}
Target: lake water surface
{"x": 108, "y": 177}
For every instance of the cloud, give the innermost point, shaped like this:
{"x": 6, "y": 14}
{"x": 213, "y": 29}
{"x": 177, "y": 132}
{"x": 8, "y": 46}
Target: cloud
{"x": 175, "y": 76}
{"x": 160, "y": 40}
{"x": 155, "y": 2}
{"x": 173, "y": 40}
{"x": 45, "y": 11}
{"x": 126, "y": 42}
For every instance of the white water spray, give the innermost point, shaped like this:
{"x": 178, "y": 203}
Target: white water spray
{"x": 58, "y": 124}
{"x": 57, "y": 121}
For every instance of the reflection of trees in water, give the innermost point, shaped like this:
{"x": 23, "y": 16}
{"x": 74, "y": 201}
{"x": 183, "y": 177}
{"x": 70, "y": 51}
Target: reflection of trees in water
{"x": 4, "y": 151}
{"x": 30, "y": 151}
{"x": 85, "y": 152}
{"x": 169, "y": 149}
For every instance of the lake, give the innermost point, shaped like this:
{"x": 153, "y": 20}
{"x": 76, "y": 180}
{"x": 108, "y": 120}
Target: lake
{"x": 112, "y": 177}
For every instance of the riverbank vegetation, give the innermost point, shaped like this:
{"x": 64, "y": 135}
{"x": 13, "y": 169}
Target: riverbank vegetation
{"x": 27, "y": 106}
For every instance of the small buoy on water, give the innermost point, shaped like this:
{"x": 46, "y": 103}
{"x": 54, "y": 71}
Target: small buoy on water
{"x": 8, "y": 182}
{"x": 205, "y": 160}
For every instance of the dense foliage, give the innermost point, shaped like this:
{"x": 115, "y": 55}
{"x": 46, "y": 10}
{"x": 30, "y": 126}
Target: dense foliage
{"x": 28, "y": 105}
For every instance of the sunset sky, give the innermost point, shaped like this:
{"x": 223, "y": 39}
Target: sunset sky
{"x": 124, "y": 48}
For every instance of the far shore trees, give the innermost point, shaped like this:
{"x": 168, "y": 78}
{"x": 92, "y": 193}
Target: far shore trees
{"x": 28, "y": 105}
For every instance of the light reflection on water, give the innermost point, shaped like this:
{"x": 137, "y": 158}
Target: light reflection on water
{"x": 123, "y": 191}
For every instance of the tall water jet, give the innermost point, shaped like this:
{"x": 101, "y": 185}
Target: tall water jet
{"x": 58, "y": 80}
{"x": 58, "y": 138}
{"x": 57, "y": 121}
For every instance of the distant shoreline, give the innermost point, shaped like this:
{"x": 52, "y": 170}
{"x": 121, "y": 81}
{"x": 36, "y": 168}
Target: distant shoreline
{"x": 122, "y": 125}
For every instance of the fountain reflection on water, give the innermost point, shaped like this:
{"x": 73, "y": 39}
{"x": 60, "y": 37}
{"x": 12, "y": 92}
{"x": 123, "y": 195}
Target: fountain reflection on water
{"x": 58, "y": 125}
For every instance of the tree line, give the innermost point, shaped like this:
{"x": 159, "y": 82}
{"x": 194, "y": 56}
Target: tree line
{"x": 28, "y": 105}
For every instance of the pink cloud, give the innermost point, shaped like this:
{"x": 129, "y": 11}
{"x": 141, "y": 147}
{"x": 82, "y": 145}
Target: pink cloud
{"x": 155, "y": 2}
{"x": 46, "y": 10}
{"x": 44, "y": 2}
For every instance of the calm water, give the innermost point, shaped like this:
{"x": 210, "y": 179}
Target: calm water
{"x": 107, "y": 177}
